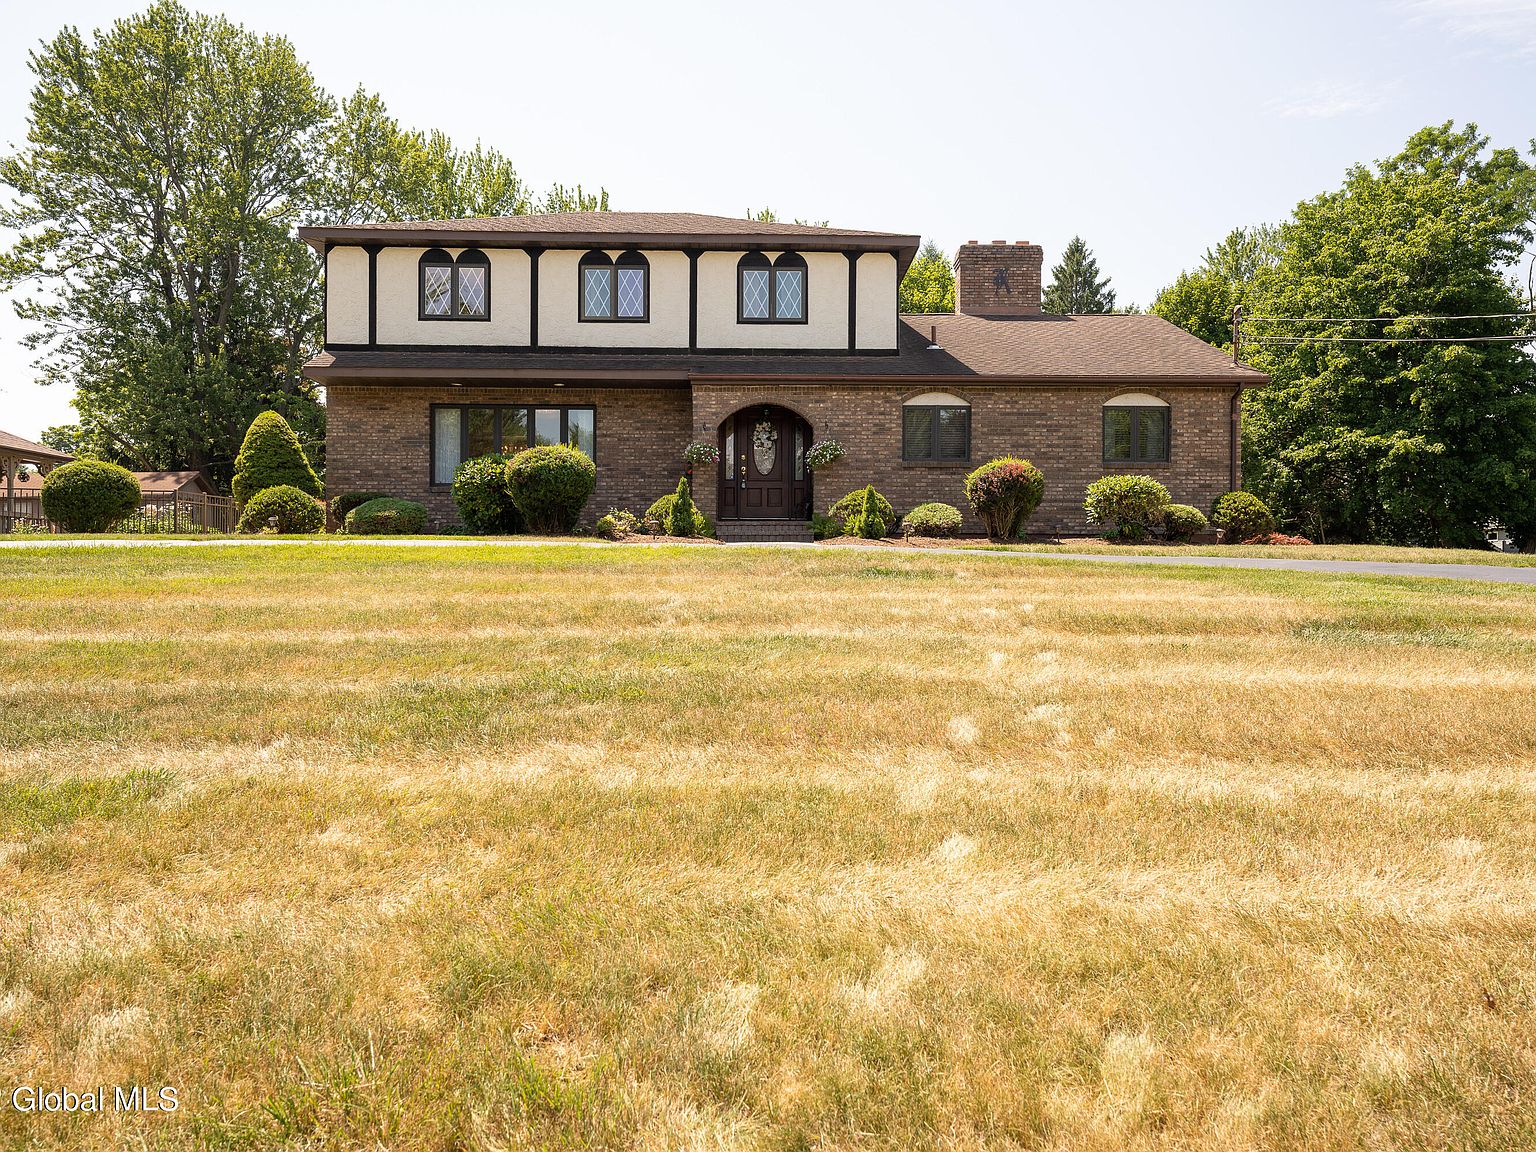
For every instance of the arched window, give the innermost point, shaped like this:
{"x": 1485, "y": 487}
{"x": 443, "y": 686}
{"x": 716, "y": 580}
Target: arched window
{"x": 615, "y": 289}
{"x": 771, "y": 291}
{"x": 455, "y": 289}
{"x": 936, "y": 426}
{"x": 1136, "y": 429}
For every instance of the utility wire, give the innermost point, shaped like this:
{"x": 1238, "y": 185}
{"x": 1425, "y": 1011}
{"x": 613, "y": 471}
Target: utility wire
{"x": 1387, "y": 339}
{"x": 1387, "y": 319}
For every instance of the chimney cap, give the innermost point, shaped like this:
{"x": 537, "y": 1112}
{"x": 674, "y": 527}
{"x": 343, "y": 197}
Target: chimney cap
{"x": 970, "y": 241}
{"x": 1021, "y": 241}
{"x": 999, "y": 241}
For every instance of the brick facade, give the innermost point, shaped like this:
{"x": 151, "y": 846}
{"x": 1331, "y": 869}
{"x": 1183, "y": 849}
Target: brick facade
{"x": 379, "y": 439}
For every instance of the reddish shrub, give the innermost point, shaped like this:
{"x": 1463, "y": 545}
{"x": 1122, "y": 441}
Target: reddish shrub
{"x": 1276, "y": 538}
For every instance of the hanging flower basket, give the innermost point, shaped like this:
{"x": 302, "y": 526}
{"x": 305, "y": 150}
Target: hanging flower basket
{"x": 822, "y": 453}
{"x": 698, "y": 454}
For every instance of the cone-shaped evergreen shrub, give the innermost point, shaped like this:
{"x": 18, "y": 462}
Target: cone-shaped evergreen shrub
{"x": 680, "y": 517}
{"x": 271, "y": 457}
{"x": 868, "y": 522}
{"x": 661, "y": 513}
{"x": 89, "y": 495}
{"x": 853, "y": 503}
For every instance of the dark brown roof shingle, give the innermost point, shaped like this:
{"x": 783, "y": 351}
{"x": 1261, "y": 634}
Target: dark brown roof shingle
{"x": 1039, "y": 349}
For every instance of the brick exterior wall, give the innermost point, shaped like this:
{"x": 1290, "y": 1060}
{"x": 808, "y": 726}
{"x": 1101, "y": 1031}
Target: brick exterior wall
{"x": 998, "y": 279}
{"x": 378, "y": 439}
{"x": 1058, "y": 427}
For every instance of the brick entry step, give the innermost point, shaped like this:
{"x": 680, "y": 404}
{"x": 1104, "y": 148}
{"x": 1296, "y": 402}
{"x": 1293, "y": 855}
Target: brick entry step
{"x": 752, "y": 531}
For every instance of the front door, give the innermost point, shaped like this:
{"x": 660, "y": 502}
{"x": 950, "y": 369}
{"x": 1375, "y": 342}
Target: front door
{"x": 762, "y": 460}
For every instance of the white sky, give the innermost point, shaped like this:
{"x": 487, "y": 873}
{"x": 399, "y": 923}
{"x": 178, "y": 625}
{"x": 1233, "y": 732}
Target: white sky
{"x": 1151, "y": 129}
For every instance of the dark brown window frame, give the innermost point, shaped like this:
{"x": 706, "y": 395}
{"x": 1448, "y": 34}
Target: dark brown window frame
{"x": 439, "y": 258}
{"x": 630, "y": 258}
{"x": 758, "y": 261}
{"x": 934, "y": 457}
{"x": 528, "y": 409}
{"x": 1135, "y": 410}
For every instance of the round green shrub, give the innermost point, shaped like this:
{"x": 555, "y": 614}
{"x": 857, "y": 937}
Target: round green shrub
{"x": 932, "y": 520}
{"x": 89, "y": 495}
{"x": 661, "y": 513}
{"x": 1243, "y": 515}
{"x": 607, "y": 526}
{"x": 271, "y": 457}
{"x": 296, "y": 511}
{"x": 853, "y": 503}
{"x": 550, "y": 485}
{"x": 825, "y": 527}
{"x": 341, "y": 505}
{"x": 1182, "y": 523}
{"x": 1004, "y": 494}
{"x": 387, "y": 516}
{"x": 480, "y": 494}
{"x": 1133, "y": 504}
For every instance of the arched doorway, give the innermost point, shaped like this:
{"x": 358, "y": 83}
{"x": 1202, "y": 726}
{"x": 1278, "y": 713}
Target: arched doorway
{"x": 762, "y": 465}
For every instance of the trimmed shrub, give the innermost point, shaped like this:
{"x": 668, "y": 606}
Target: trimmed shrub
{"x": 387, "y": 516}
{"x": 271, "y": 457}
{"x": 341, "y": 505}
{"x": 932, "y": 520}
{"x": 853, "y": 503}
{"x": 89, "y": 495}
{"x": 659, "y": 514}
{"x": 825, "y": 527}
{"x": 1243, "y": 515}
{"x": 607, "y": 527}
{"x": 1133, "y": 504}
{"x": 1181, "y": 522}
{"x": 1004, "y": 494}
{"x": 681, "y": 515}
{"x": 550, "y": 485}
{"x": 296, "y": 511}
{"x": 617, "y": 523}
{"x": 480, "y": 494}
{"x": 868, "y": 522}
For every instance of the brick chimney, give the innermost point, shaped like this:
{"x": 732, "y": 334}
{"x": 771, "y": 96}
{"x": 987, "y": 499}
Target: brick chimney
{"x": 998, "y": 279}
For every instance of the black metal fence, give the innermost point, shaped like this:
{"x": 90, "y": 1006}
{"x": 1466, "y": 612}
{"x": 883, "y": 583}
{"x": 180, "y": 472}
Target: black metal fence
{"x": 157, "y": 514}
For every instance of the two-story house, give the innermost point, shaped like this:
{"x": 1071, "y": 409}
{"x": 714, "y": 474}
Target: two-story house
{"x": 633, "y": 334}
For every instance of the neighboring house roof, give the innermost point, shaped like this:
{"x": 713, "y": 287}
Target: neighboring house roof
{"x": 29, "y": 451}
{"x": 173, "y": 481}
{"x": 613, "y": 229}
{"x": 1034, "y": 349}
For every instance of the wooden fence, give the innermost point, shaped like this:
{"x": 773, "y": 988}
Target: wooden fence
{"x": 157, "y": 513}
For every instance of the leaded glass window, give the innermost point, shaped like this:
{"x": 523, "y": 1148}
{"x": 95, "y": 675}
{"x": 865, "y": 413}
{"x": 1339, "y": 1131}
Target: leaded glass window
{"x": 615, "y": 290}
{"x": 755, "y": 293}
{"x": 437, "y": 289}
{"x": 472, "y": 289}
{"x": 631, "y": 293}
{"x": 596, "y": 293}
{"x": 789, "y": 293}
{"x": 455, "y": 289}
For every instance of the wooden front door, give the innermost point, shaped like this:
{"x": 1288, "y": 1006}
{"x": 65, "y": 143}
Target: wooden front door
{"x": 762, "y": 464}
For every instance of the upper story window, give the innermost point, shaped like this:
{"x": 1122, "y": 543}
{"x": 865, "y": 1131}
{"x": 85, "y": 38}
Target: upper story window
{"x": 936, "y": 427}
{"x": 615, "y": 289}
{"x": 771, "y": 291}
{"x": 455, "y": 289}
{"x": 1136, "y": 429}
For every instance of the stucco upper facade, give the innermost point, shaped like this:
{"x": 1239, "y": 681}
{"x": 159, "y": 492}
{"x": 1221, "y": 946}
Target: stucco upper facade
{"x": 695, "y": 295}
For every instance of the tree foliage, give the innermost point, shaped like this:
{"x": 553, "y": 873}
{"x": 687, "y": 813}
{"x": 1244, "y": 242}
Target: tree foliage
{"x": 1076, "y": 287}
{"x": 1201, "y": 301}
{"x": 929, "y": 285}
{"x": 167, "y": 163}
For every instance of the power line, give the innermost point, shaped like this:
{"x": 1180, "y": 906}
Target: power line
{"x": 1388, "y": 319}
{"x": 1388, "y": 339}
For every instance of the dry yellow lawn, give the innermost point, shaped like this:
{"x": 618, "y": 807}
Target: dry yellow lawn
{"x": 665, "y": 848}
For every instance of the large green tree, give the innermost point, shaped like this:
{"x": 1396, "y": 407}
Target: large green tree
{"x": 1403, "y": 439}
{"x": 1076, "y": 287}
{"x": 1201, "y": 300}
{"x": 167, "y": 164}
{"x": 929, "y": 285}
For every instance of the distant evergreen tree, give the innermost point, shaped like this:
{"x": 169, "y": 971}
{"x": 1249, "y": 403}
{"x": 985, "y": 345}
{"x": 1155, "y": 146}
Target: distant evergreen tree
{"x": 1075, "y": 285}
